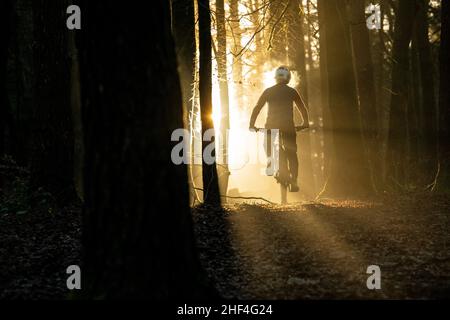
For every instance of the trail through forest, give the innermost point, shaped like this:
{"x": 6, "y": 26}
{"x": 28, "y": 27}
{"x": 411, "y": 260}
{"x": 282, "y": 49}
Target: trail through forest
{"x": 298, "y": 251}
{"x": 323, "y": 249}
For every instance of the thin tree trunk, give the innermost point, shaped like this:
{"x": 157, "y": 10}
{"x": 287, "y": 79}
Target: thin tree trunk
{"x": 315, "y": 112}
{"x": 138, "y": 238}
{"x": 397, "y": 141}
{"x": 221, "y": 58}
{"x": 327, "y": 135}
{"x": 75, "y": 102}
{"x": 297, "y": 59}
{"x": 365, "y": 81}
{"x": 211, "y": 194}
{"x": 415, "y": 116}
{"x": 429, "y": 130}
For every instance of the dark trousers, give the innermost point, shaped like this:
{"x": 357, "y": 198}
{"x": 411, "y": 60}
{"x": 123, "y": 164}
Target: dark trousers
{"x": 288, "y": 161}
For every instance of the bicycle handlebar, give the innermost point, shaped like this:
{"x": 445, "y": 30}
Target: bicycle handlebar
{"x": 297, "y": 128}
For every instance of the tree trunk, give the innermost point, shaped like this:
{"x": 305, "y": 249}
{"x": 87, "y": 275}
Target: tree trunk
{"x": 221, "y": 58}
{"x": 6, "y": 13}
{"x": 444, "y": 100}
{"x": 397, "y": 141}
{"x": 138, "y": 238}
{"x": 75, "y": 103}
{"x": 297, "y": 60}
{"x": 324, "y": 97}
{"x": 211, "y": 194}
{"x": 365, "y": 81}
{"x": 21, "y": 128}
{"x": 415, "y": 102}
{"x": 315, "y": 112}
{"x": 183, "y": 29}
{"x": 53, "y": 140}
{"x": 349, "y": 175}
{"x": 429, "y": 129}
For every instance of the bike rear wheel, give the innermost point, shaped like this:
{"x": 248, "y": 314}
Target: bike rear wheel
{"x": 283, "y": 193}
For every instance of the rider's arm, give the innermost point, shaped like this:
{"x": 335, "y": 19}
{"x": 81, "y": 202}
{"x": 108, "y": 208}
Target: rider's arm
{"x": 257, "y": 109}
{"x": 302, "y": 108}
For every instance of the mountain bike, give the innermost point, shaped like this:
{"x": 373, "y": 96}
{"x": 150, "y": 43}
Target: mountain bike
{"x": 281, "y": 173}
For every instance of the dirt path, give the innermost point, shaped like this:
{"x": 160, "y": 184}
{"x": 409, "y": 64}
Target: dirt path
{"x": 323, "y": 249}
{"x": 305, "y": 250}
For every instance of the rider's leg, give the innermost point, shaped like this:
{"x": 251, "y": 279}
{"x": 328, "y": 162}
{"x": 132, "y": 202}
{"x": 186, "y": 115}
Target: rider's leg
{"x": 290, "y": 143}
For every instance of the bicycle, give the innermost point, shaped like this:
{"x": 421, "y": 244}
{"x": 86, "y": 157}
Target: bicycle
{"x": 282, "y": 174}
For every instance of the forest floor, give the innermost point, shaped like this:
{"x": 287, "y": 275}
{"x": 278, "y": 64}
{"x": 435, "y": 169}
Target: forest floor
{"x": 253, "y": 251}
{"x": 321, "y": 250}
{"x": 38, "y": 240}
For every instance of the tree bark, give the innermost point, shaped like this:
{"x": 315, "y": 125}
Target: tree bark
{"x": 21, "y": 127}
{"x": 348, "y": 174}
{"x": 364, "y": 75}
{"x": 324, "y": 98}
{"x": 211, "y": 194}
{"x": 6, "y": 13}
{"x": 397, "y": 140}
{"x": 221, "y": 59}
{"x": 316, "y": 112}
{"x": 53, "y": 140}
{"x": 297, "y": 61}
{"x": 444, "y": 100}
{"x": 429, "y": 129}
{"x": 183, "y": 28}
{"x": 138, "y": 238}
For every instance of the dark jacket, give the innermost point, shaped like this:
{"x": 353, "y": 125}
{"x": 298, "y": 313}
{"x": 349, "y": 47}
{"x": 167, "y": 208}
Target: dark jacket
{"x": 280, "y": 99}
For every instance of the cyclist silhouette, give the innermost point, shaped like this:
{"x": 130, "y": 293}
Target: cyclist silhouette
{"x": 280, "y": 99}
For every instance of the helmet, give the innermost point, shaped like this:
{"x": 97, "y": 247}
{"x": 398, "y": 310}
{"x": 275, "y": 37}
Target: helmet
{"x": 282, "y": 74}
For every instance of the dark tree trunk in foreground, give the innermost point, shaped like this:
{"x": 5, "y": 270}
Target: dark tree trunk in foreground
{"x": 6, "y": 12}
{"x": 221, "y": 58}
{"x": 24, "y": 79}
{"x": 53, "y": 141}
{"x": 365, "y": 81}
{"x": 138, "y": 236}
{"x": 397, "y": 141}
{"x": 211, "y": 194}
{"x": 444, "y": 99}
{"x": 183, "y": 28}
{"x": 349, "y": 175}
